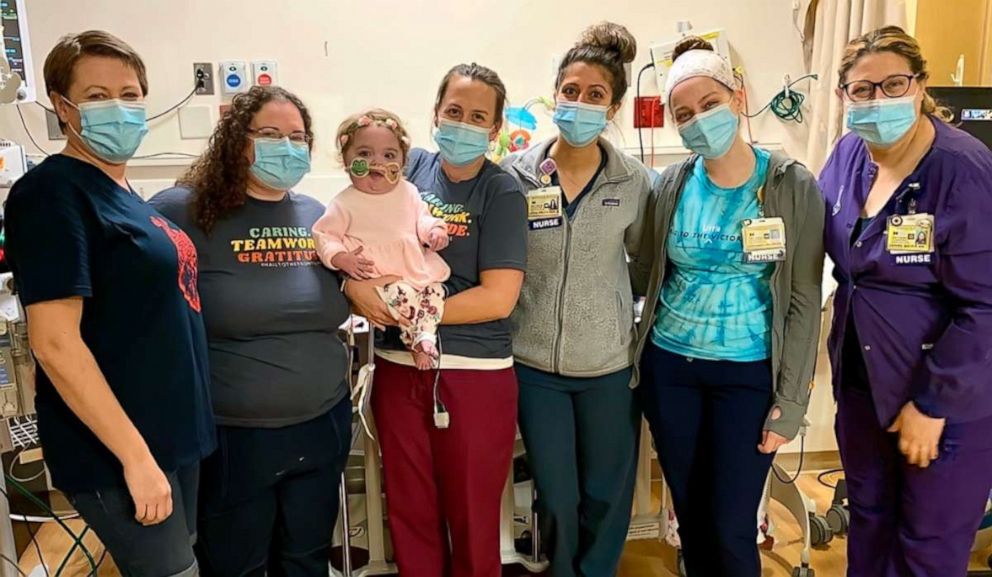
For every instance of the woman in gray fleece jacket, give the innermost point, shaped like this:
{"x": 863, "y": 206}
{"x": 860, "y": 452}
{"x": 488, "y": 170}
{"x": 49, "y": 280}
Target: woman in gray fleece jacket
{"x": 731, "y": 264}
{"x": 574, "y": 335}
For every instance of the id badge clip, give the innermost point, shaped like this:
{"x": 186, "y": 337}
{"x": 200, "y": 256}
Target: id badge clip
{"x": 763, "y": 240}
{"x": 909, "y": 234}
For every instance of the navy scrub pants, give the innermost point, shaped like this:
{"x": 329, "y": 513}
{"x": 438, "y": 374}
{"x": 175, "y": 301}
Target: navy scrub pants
{"x": 581, "y": 438}
{"x": 269, "y": 498}
{"x": 707, "y": 419}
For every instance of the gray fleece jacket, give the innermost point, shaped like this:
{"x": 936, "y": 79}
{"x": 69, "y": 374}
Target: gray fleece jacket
{"x": 575, "y": 315}
{"x": 791, "y": 192}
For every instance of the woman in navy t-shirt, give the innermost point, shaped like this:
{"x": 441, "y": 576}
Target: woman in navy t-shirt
{"x": 447, "y": 443}
{"x": 113, "y": 318}
{"x": 278, "y": 371}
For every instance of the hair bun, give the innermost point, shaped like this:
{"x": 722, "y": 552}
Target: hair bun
{"x": 611, "y": 37}
{"x": 690, "y": 43}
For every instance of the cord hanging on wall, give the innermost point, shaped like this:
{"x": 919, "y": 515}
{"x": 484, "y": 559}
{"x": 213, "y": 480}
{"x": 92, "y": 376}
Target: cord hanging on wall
{"x": 787, "y": 104}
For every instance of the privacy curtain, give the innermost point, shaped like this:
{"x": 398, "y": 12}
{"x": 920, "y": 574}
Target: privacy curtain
{"x": 828, "y": 26}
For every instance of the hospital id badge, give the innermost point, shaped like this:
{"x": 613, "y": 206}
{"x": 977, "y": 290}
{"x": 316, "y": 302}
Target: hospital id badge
{"x": 910, "y": 234}
{"x": 763, "y": 240}
{"x": 544, "y": 208}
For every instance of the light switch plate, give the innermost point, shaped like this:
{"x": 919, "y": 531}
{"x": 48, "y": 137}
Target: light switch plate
{"x": 195, "y": 122}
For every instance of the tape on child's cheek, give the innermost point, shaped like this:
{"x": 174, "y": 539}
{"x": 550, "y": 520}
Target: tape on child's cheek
{"x": 390, "y": 171}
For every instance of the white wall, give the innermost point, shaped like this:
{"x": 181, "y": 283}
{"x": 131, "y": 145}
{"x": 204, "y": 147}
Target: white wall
{"x": 393, "y": 53}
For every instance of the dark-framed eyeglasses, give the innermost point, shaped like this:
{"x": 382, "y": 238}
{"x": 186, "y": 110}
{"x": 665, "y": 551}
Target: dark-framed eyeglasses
{"x": 298, "y": 136}
{"x": 894, "y": 86}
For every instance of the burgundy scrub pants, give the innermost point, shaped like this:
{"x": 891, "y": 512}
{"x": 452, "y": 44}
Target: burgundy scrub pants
{"x": 444, "y": 486}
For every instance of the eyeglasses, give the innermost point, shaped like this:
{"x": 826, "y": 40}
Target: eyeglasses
{"x": 299, "y": 137}
{"x": 893, "y": 86}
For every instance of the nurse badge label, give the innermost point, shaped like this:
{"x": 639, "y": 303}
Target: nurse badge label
{"x": 910, "y": 238}
{"x": 763, "y": 240}
{"x": 544, "y": 208}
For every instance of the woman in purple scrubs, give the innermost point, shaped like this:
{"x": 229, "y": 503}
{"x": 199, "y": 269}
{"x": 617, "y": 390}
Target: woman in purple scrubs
{"x": 909, "y": 211}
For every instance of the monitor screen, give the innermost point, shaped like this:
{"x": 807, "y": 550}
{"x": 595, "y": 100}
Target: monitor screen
{"x": 972, "y": 107}
{"x": 17, "y": 44}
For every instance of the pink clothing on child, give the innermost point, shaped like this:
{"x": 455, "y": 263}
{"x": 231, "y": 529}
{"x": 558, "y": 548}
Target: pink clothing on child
{"x": 393, "y": 228}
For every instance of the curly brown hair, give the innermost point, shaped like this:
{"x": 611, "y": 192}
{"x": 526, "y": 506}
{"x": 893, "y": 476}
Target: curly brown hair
{"x": 219, "y": 178}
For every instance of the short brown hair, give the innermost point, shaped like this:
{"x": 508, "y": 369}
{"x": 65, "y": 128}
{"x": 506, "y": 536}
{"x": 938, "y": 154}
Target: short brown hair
{"x": 61, "y": 61}
{"x": 480, "y": 73}
{"x": 895, "y": 40}
{"x": 374, "y": 116}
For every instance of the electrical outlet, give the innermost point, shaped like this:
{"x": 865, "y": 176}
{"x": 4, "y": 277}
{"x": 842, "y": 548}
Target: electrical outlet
{"x": 203, "y": 71}
{"x": 52, "y": 123}
{"x": 648, "y": 112}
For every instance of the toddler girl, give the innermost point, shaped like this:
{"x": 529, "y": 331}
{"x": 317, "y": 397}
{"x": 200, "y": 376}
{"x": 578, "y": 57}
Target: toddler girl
{"x": 380, "y": 226}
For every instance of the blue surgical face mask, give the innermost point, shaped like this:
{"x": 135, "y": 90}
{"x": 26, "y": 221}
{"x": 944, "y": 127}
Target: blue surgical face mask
{"x": 580, "y": 124}
{"x": 112, "y": 129}
{"x": 882, "y": 122}
{"x": 280, "y": 163}
{"x": 461, "y": 144}
{"x": 712, "y": 133}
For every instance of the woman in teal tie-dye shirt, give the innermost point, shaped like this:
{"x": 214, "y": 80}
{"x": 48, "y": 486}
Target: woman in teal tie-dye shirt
{"x": 714, "y": 305}
{"x": 732, "y": 268}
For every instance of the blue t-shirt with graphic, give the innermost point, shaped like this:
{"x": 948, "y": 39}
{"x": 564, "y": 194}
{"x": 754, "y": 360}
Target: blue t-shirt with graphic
{"x": 714, "y": 305}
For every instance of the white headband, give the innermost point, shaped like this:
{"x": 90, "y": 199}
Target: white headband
{"x": 699, "y": 63}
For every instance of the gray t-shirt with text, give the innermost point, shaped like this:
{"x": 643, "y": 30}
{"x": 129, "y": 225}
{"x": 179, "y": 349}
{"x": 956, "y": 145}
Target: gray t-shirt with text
{"x": 487, "y": 224}
{"x": 271, "y": 311}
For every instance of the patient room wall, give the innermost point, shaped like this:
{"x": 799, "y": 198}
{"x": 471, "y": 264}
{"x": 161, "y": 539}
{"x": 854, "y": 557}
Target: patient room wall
{"x": 343, "y": 55}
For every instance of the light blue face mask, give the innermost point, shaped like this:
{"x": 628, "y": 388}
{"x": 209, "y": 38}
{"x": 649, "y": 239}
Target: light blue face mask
{"x": 580, "y": 124}
{"x": 712, "y": 133}
{"x": 280, "y": 164}
{"x": 112, "y": 129}
{"x": 461, "y": 144}
{"x": 882, "y": 122}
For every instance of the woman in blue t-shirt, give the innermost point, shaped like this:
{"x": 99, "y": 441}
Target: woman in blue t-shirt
{"x": 447, "y": 436}
{"x": 733, "y": 263}
{"x": 110, "y": 288}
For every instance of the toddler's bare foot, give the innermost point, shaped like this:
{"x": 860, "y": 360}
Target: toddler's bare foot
{"x": 423, "y": 361}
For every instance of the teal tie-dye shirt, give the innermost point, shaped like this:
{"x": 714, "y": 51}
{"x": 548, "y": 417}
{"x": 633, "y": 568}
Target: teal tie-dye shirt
{"x": 713, "y": 305}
